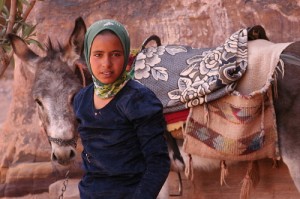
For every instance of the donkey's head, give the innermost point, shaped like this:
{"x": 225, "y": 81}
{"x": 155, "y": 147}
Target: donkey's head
{"x": 55, "y": 84}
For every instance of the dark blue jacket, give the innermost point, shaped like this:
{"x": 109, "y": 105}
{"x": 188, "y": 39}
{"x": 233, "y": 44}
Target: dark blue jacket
{"x": 125, "y": 154}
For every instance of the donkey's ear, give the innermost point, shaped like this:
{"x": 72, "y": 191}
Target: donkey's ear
{"x": 77, "y": 37}
{"x": 21, "y": 49}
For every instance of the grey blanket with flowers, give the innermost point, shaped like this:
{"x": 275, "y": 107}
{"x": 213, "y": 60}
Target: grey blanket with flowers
{"x": 183, "y": 77}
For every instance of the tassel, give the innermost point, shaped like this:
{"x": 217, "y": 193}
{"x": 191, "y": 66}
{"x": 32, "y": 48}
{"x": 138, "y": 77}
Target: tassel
{"x": 250, "y": 180}
{"x": 275, "y": 163}
{"x": 224, "y": 172}
{"x": 262, "y": 121}
{"x": 206, "y": 115}
{"x": 189, "y": 172}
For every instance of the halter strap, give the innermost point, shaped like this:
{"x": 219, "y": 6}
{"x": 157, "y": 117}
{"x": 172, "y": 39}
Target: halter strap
{"x": 61, "y": 142}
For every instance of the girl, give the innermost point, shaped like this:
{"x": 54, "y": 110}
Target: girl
{"x": 121, "y": 123}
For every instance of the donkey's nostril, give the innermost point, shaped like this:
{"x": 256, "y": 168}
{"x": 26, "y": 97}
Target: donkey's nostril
{"x": 63, "y": 156}
{"x": 54, "y": 158}
{"x": 72, "y": 154}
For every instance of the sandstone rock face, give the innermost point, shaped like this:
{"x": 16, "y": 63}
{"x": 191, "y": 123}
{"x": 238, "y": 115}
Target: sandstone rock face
{"x": 202, "y": 23}
{"x": 25, "y": 166}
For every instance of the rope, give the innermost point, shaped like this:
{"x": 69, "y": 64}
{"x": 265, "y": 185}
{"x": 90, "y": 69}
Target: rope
{"x": 65, "y": 184}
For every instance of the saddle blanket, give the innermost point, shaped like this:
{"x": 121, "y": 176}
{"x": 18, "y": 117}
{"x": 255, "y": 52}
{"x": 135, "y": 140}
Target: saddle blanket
{"x": 183, "y": 76}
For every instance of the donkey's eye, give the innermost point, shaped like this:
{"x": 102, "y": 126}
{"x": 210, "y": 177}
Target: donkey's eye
{"x": 39, "y": 102}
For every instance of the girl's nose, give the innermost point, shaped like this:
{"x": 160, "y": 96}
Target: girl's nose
{"x": 106, "y": 62}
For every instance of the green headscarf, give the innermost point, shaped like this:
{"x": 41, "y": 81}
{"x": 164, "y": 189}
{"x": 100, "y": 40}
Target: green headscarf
{"x": 108, "y": 90}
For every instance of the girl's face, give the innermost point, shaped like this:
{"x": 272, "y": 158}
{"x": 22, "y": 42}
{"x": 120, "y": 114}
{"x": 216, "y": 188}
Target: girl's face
{"x": 107, "y": 57}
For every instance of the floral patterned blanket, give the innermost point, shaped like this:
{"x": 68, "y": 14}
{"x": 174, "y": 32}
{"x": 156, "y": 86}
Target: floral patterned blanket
{"x": 183, "y": 76}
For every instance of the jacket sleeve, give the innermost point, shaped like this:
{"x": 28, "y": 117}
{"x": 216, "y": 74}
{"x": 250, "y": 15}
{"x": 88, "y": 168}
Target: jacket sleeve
{"x": 147, "y": 116}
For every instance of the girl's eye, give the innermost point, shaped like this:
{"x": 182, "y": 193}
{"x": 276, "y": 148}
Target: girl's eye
{"x": 97, "y": 55}
{"x": 116, "y": 54}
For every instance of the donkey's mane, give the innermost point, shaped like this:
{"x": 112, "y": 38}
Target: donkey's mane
{"x": 52, "y": 50}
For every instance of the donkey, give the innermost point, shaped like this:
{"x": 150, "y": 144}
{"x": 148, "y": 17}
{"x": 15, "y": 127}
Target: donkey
{"x": 56, "y": 83}
{"x": 53, "y": 89}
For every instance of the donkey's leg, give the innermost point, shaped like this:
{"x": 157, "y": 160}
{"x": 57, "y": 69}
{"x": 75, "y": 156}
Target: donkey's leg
{"x": 287, "y": 109}
{"x": 288, "y": 121}
{"x": 290, "y": 149}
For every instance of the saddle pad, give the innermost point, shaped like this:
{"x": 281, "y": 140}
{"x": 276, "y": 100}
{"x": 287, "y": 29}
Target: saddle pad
{"x": 263, "y": 58}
